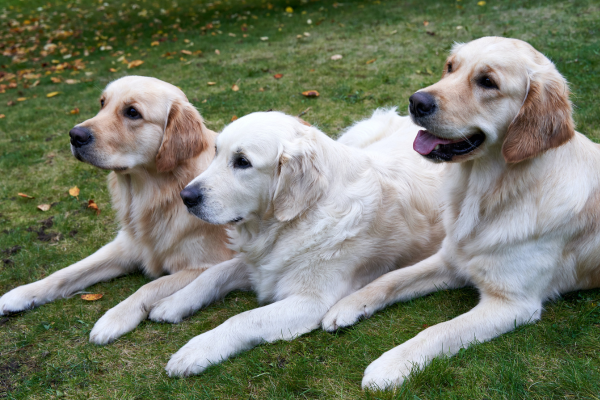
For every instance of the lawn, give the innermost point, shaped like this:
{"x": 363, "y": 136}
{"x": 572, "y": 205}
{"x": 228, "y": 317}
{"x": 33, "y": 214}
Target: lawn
{"x": 55, "y": 58}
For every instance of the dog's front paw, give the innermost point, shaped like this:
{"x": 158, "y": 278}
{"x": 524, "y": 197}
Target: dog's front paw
{"x": 18, "y": 299}
{"x": 345, "y": 313}
{"x": 114, "y": 324}
{"x": 169, "y": 310}
{"x": 388, "y": 371}
{"x": 191, "y": 359}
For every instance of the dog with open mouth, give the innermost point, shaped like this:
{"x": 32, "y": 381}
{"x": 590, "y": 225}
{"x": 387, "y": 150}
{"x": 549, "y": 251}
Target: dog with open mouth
{"x": 154, "y": 141}
{"x": 522, "y": 214}
{"x": 313, "y": 220}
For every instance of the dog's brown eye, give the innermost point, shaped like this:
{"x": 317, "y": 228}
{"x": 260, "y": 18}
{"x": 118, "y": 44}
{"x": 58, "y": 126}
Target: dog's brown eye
{"x": 242, "y": 163}
{"x": 132, "y": 113}
{"x": 487, "y": 83}
{"x": 449, "y": 68}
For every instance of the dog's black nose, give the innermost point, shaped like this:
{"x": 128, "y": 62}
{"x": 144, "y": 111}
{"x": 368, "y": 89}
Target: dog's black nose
{"x": 191, "y": 196}
{"x": 422, "y": 104}
{"x": 80, "y": 136}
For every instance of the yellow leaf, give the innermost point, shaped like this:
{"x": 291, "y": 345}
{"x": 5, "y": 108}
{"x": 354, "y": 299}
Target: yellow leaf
{"x": 74, "y": 111}
{"x": 135, "y": 63}
{"x": 289, "y": 10}
{"x": 481, "y": 3}
{"x": 235, "y": 88}
{"x": 22, "y": 99}
{"x": 44, "y": 207}
{"x": 155, "y": 43}
{"x": 74, "y": 191}
{"x": 112, "y": 70}
{"x": 26, "y": 196}
{"x": 211, "y": 83}
{"x": 91, "y": 296}
{"x": 52, "y": 94}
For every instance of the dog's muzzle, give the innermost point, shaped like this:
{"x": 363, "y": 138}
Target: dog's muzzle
{"x": 80, "y": 136}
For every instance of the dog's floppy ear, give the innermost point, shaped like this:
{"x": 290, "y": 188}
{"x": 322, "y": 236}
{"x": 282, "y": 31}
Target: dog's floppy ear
{"x": 183, "y": 137}
{"x": 544, "y": 121}
{"x": 300, "y": 183}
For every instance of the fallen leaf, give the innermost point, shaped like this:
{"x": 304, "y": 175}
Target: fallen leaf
{"x": 336, "y": 57}
{"x": 278, "y": 76}
{"x": 217, "y": 52}
{"x": 211, "y": 83}
{"x": 22, "y": 99}
{"x": 371, "y": 61}
{"x": 91, "y": 296}
{"x": 44, "y": 207}
{"x": 74, "y": 191}
{"x": 310, "y": 93}
{"x": 261, "y": 89}
{"x": 289, "y": 10}
{"x": 234, "y": 118}
{"x": 74, "y": 111}
{"x": 264, "y": 38}
{"x": 55, "y": 79}
{"x": 2, "y": 116}
{"x": 187, "y": 52}
{"x": 425, "y": 23}
{"x": 26, "y": 196}
{"x": 52, "y": 94}
{"x": 135, "y": 63}
{"x": 306, "y": 34}
{"x": 112, "y": 70}
{"x": 235, "y": 87}
{"x": 481, "y": 3}
{"x": 92, "y": 204}
{"x": 71, "y": 81}
{"x": 155, "y": 43}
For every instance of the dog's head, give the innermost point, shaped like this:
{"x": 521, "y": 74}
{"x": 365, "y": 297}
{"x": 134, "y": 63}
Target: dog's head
{"x": 266, "y": 164}
{"x": 142, "y": 122}
{"x": 495, "y": 94}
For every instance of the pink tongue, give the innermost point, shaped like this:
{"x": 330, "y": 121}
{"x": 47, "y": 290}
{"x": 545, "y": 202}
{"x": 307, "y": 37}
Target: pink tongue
{"x": 425, "y": 142}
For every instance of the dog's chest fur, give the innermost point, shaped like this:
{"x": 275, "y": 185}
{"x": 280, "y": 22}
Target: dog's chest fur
{"x": 164, "y": 237}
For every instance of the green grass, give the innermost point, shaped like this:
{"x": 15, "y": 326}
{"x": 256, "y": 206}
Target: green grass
{"x": 44, "y": 353}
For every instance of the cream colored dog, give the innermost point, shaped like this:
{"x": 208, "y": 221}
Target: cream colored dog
{"x": 155, "y": 142}
{"x": 523, "y": 203}
{"x": 314, "y": 220}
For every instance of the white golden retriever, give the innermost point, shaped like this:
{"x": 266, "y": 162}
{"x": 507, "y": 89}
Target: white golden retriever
{"x": 155, "y": 142}
{"x": 314, "y": 220}
{"x": 522, "y": 215}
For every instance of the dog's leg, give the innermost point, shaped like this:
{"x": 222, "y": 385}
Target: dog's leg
{"x": 126, "y": 315}
{"x": 207, "y": 288}
{"x": 425, "y": 277}
{"x": 283, "y": 320}
{"x": 108, "y": 262}
{"x": 490, "y": 318}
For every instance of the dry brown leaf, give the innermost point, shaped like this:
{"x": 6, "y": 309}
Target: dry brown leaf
{"x": 2, "y": 116}
{"x": 74, "y": 111}
{"x": 55, "y": 79}
{"x": 135, "y": 63}
{"x": 92, "y": 204}
{"x": 112, "y": 70}
{"x": 310, "y": 93}
{"x": 234, "y": 118}
{"x": 52, "y": 94}
{"x": 187, "y": 52}
{"x": 74, "y": 191}
{"x": 278, "y": 76}
{"x": 425, "y": 23}
{"x": 26, "y": 196}
{"x": 91, "y": 296}
{"x": 44, "y": 207}
{"x": 211, "y": 83}
{"x": 235, "y": 88}
{"x": 371, "y": 61}
{"x": 217, "y": 52}
{"x": 155, "y": 43}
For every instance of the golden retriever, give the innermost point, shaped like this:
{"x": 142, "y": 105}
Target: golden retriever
{"x": 155, "y": 142}
{"x": 313, "y": 220}
{"x": 522, "y": 215}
